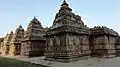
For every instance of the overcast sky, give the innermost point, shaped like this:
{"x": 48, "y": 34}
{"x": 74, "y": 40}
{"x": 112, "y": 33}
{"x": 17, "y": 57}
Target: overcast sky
{"x": 93, "y": 12}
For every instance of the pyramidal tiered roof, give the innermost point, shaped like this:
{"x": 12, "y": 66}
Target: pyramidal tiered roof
{"x": 34, "y": 30}
{"x": 19, "y": 29}
{"x": 65, "y": 16}
{"x": 18, "y": 35}
{"x": 66, "y": 19}
{"x": 7, "y": 38}
{"x": 34, "y": 23}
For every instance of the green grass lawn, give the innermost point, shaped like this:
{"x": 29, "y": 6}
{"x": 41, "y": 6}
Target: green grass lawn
{"x": 8, "y": 62}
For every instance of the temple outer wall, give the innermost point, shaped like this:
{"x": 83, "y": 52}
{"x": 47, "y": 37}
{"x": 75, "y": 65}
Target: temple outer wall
{"x": 67, "y": 47}
{"x": 32, "y": 48}
{"x": 103, "y": 45}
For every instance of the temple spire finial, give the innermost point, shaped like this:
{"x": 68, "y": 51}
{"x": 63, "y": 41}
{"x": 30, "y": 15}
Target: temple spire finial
{"x": 11, "y": 32}
{"x": 64, "y": 3}
{"x": 20, "y": 26}
{"x": 34, "y": 17}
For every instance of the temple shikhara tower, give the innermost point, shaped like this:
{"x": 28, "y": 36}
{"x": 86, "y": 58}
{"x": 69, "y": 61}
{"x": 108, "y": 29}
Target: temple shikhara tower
{"x": 5, "y": 46}
{"x": 15, "y": 44}
{"x": 34, "y": 42}
{"x": 68, "y": 39}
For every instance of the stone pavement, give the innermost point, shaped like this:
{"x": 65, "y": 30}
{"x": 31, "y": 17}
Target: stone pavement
{"x": 83, "y": 62}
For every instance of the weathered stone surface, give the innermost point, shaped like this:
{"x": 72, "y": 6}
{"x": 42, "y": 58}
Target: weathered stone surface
{"x": 117, "y": 46}
{"x": 1, "y": 40}
{"x": 34, "y": 42}
{"x": 68, "y": 38}
{"x": 6, "y": 43}
{"x": 15, "y": 44}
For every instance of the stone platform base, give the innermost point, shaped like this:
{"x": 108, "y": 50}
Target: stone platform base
{"x": 66, "y": 60}
{"x": 82, "y": 62}
{"x": 105, "y": 56}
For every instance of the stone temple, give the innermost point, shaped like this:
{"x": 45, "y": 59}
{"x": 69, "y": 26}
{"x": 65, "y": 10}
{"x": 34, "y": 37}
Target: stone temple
{"x": 69, "y": 38}
{"x": 34, "y": 42}
{"x": 66, "y": 40}
{"x": 6, "y": 43}
{"x": 15, "y": 44}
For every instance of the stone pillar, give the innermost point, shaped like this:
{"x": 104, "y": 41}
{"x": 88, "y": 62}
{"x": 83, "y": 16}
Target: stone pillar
{"x": 117, "y": 46}
{"x": 12, "y": 49}
{"x": 111, "y": 46}
{"x": 98, "y": 46}
{"x": 85, "y": 46}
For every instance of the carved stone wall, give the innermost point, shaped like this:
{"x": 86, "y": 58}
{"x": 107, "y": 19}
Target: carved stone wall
{"x": 33, "y": 48}
{"x": 67, "y": 47}
{"x": 34, "y": 42}
{"x": 55, "y": 47}
{"x": 25, "y": 48}
{"x": 111, "y": 47}
{"x": 117, "y": 46}
{"x": 85, "y": 45}
{"x": 103, "y": 45}
{"x": 15, "y": 49}
{"x": 12, "y": 50}
{"x": 15, "y": 44}
{"x": 1, "y": 40}
{"x": 6, "y": 44}
{"x": 4, "y": 49}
